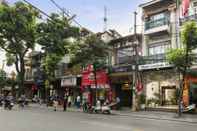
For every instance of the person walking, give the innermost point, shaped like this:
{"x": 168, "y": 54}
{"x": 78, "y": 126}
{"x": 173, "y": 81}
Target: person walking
{"x": 55, "y": 104}
{"x": 69, "y": 101}
{"x": 78, "y": 101}
{"x": 65, "y": 101}
{"x": 118, "y": 103}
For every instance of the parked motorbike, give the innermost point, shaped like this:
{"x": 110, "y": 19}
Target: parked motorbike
{"x": 87, "y": 108}
{"x": 1, "y": 103}
{"x": 8, "y": 105}
{"x": 105, "y": 109}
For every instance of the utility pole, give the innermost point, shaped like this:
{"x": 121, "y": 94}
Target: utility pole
{"x": 105, "y": 19}
{"x": 135, "y": 73}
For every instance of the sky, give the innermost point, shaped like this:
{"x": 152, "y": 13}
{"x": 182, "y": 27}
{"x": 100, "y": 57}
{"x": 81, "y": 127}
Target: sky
{"x": 90, "y": 13}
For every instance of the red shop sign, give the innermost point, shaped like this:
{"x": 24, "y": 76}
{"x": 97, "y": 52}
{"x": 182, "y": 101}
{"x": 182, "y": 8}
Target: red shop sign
{"x": 88, "y": 78}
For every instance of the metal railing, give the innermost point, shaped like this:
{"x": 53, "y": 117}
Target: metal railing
{"x": 154, "y": 59}
{"x": 156, "y": 23}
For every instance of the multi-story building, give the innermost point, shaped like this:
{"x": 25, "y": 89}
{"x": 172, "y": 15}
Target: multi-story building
{"x": 190, "y": 89}
{"x": 123, "y": 61}
{"x": 160, "y": 80}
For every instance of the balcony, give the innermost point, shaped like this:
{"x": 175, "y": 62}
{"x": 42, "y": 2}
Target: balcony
{"x": 188, "y": 18}
{"x": 157, "y": 25}
{"x": 154, "y": 59}
{"x": 154, "y": 62}
{"x": 125, "y": 60}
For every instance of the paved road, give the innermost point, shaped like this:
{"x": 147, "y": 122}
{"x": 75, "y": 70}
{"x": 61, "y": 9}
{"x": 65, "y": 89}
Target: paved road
{"x": 37, "y": 119}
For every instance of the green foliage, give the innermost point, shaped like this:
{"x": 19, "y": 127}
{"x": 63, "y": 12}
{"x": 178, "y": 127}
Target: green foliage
{"x": 90, "y": 50}
{"x": 177, "y": 58}
{"x": 10, "y": 59}
{"x": 17, "y": 27}
{"x": 54, "y": 37}
{"x": 18, "y": 34}
{"x": 2, "y": 78}
{"x": 142, "y": 99}
{"x": 50, "y": 63}
{"x": 189, "y": 35}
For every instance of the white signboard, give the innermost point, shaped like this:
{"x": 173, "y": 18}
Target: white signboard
{"x": 154, "y": 66}
{"x": 69, "y": 81}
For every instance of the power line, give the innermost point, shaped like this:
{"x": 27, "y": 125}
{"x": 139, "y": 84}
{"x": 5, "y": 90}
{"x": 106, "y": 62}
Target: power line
{"x": 42, "y": 12}
{"x": 67, "y": 14}
{"x": 37, "y": 8}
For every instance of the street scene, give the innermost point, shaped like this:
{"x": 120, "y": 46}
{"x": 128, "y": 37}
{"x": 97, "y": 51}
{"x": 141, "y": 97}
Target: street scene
{"x": 98, "y": 65}
{"x": 39, "y": 119}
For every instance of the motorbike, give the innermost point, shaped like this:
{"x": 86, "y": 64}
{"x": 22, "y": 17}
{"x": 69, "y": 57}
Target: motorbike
{"x": 88, "y": 108}
{"x": 8, "y": 105}
{"x": 1, "y": 102}
{"x": 105, "y": 109}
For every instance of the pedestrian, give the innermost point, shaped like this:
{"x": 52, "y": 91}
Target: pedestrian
{"x": 69, "y": 101}
{"x": 118, "y": 102}
{"x": 55, "y": 104}
{"x": 65, "y": 101}
{"x": 78, "y": 101}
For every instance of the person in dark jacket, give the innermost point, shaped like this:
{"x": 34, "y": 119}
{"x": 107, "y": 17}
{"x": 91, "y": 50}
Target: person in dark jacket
{"x": 65, "y": 102}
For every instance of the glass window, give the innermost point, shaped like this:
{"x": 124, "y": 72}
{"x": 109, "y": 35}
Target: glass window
{"x": 124, "y": 54}
{"x": 158, "y": 48}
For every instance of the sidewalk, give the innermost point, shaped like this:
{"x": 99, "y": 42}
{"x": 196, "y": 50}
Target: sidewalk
{"x": 190, "y": 118}
{"x": 156, "y": 115}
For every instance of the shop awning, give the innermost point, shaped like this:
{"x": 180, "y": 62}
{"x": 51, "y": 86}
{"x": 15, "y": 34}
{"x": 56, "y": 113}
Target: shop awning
{"x": 88, "y": 79}
{"x": 118, "y": 74}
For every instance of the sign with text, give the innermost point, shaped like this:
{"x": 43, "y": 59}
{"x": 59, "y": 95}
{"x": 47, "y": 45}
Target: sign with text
{"x": 154, "y": 66}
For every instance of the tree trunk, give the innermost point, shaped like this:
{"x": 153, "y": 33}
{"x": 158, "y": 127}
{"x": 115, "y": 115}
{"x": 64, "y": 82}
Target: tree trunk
{"x": 182, "y": 84}
{"x": 21, "y": 73}
{"x": 95, "y": 82}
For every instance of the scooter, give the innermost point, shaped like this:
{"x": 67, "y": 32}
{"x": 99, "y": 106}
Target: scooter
{"x": 87, "y": 108}
{"x": 1, "y": 103}
{"x": 104, "y": 109}
{"x": 8, "y": 105}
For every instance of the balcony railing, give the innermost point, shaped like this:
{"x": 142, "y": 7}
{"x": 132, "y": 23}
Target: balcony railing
{"x": 154, "y": 59}
{"x": 156, "y": 23}
{"x": 188, "y": 18}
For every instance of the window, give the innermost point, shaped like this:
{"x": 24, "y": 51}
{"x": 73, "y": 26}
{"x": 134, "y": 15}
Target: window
{"x": 195, "y": 7}
{"x": 158, "y": 48}
{"x": 157, "y": 20}
{"x": 123, "y": 55}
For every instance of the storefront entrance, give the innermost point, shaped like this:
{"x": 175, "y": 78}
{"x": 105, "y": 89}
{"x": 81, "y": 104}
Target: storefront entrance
{"x": 124, "y": 93}
{"x": 193, "y": 93}
{"x": 169, "y": 95}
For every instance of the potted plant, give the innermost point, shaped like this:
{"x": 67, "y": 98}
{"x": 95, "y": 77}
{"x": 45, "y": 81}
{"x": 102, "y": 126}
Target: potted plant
{"x": 142, "y": 100}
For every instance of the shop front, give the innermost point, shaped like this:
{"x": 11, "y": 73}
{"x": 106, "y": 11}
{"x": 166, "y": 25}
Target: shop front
{"x": 121, "y": 80}
{"x": 70, "y": 85}
{"x": 161, "y": 87}
{"x": 190, "y": 91}
{"x": 95, "y": 88}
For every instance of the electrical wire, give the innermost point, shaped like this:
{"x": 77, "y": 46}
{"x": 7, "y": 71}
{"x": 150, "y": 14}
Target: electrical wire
{"x": 67, "y": 14}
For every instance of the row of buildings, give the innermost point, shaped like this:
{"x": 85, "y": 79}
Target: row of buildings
{"x": 161, "y": 24}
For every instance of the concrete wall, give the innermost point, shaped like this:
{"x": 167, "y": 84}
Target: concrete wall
{"x": 153, "y": 81}
{"x": 171, "y": 30}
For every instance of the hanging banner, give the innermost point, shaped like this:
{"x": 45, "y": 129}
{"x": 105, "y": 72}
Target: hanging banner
{"x": 88, "y": 78}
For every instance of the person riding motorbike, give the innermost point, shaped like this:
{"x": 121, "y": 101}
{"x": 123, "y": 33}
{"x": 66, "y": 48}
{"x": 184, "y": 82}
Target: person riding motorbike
{"x": 9, "y": 102}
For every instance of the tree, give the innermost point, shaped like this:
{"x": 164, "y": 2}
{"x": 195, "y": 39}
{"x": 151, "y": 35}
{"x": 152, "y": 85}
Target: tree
{"x": 54, "y": 36}
{"x": 2, "y": 78}
{"x": 183, "y": 58}
{"x": 90, "y": 50}
{"x": 18, "y": 35}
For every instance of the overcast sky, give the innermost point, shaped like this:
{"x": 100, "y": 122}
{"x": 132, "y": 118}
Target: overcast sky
{"x": 90, "y": 13}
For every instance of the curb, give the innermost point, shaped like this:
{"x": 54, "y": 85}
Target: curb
{"x": 128, "y": 115}
{"x": 157, "y": 118}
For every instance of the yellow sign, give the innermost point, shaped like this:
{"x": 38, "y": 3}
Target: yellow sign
{"x": 46, "y": 84}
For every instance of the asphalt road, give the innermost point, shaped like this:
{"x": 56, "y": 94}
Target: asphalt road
{"x": 37, "y": 119}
